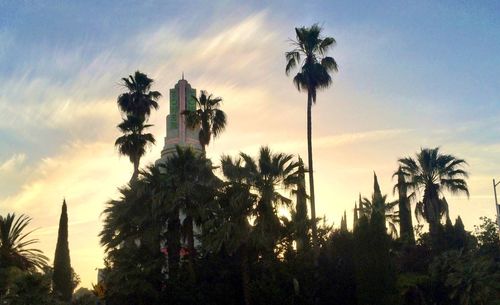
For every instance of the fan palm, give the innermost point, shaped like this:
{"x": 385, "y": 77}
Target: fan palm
{"x": 134, "y": 141}
{"x": 270, "y": 172}
{"x": 131, "y": 238}
{"x": 139, "y": 100}
{"x": 310, "y": 50}
{"x": 434, "y": 173}
{"x": 14, "y": 243}
{"x": 208, "y": 117}
{"x": 475, "y": 281}
{"x": 191, "y": 182}
{"x": 230, "y": 229}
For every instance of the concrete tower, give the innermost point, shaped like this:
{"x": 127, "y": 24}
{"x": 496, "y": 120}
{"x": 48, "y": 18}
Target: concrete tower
{"x": 181, "y": 98}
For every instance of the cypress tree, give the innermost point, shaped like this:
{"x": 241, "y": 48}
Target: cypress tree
{"x": 300, "y": 218}
{"x": 62, "y": 276}
{"x": 343, "y": 223}
{"x": 405, "y": 221}
{"x": 355, "y": 219}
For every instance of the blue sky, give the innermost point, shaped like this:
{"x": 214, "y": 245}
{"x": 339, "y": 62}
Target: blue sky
{"x": 412, "y": 74}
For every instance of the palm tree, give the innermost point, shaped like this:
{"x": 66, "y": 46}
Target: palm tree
{"x": 230, "y": 228}
{"x": 474, "y": 281}
{"x": 14, "y": 243}
{"x": 434, "y": 173}
{"x": 310, "y": 50}
{"x": 378, "y": 204}
{"x": 139, "y": 100}
{"x": 270, "y": 172}
{"x": 131, "y": 237}
{"x": 211, "y": 120}
{"x": 192, "y": 184}
{"x": 134, "y": 141}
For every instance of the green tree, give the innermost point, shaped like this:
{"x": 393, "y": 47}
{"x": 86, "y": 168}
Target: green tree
{"x": 300, "y": 219}
{"x": 375, "y": 274}
{"x": 378, "y": 204}
{"x": 29, "y": 288}
{"x": 139, "y": 100}
{"x": 434, "y": 173}
{"x": 266, "y": 175}
{"x": 487, "y": 234}
{"x": 230, "y": 229}
{"x": 405, "y": 220}
{"x": 131, "y": 237}
{"x": 62, "y": 275}
{"x": 191, "y": 181}
{"x": 134, "y": 141}
{"x": 464, "y": 279}
{"x": 14, "y": 243}
{"x": 208, "y": 117}
{"x": 309, "y": 52}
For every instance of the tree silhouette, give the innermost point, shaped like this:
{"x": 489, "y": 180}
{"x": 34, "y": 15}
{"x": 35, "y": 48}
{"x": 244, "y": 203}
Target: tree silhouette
{"x": 310, "y": 50}
{"x": 208, "y": 117}
{"x": 62, "y": 276}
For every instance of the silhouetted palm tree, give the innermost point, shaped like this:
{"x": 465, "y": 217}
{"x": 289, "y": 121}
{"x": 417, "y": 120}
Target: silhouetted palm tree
{"x": 131, "y": 237}
{"x": 191, "y": 182}
{"x": 14, "y": 243}
{"x": 230, "y": 229}
{"x": 208, "y": 117}
{"x": 139, "y": 100}
{"x": 270, "y": 172}
{"x": 434, "y": 173}
{"x": 134, "y": 142}
{"x": 315, "y": 68}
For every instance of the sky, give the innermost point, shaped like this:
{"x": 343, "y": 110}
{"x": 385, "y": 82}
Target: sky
{"x": 412, "y": 74}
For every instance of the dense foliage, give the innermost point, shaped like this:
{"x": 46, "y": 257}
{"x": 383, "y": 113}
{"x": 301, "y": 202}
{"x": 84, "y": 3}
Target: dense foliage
{"x": 189, "y": 233}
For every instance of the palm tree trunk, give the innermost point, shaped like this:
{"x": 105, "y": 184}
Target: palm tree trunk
{"x": 311, "y": 172}
{"x": 245, "y": 275}
{"x": 135, "y": 175}
{"x": 173, "y": 243}
{"x": 190, "y": 244}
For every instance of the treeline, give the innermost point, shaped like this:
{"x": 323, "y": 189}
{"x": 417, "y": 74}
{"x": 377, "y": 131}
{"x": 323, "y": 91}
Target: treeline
{"x": 180, "y": 234}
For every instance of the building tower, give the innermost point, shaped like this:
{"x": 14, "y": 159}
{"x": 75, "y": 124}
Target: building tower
{"x": 181, "y": 98}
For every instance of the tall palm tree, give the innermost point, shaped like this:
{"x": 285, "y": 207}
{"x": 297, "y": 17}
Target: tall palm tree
{"x": 14, "y": 243}
{"x": 139, "y": 100}
{"x": 310, "y": 50}
{"x": 208, "y": 116}
{"x": 434, "y": 173}
{"x": 134, "y": 141}
{"x": 269, "y": 173}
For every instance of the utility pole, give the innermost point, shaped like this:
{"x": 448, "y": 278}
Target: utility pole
{"x": 496, "y": 201}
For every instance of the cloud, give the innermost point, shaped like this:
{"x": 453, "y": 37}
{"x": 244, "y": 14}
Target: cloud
{"x": 62, "y": 102}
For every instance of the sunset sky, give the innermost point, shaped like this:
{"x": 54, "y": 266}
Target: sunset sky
{"x": 412, "y": 74}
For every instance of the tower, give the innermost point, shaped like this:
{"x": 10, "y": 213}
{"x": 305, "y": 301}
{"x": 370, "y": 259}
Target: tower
{"x": 178, "y": 133}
